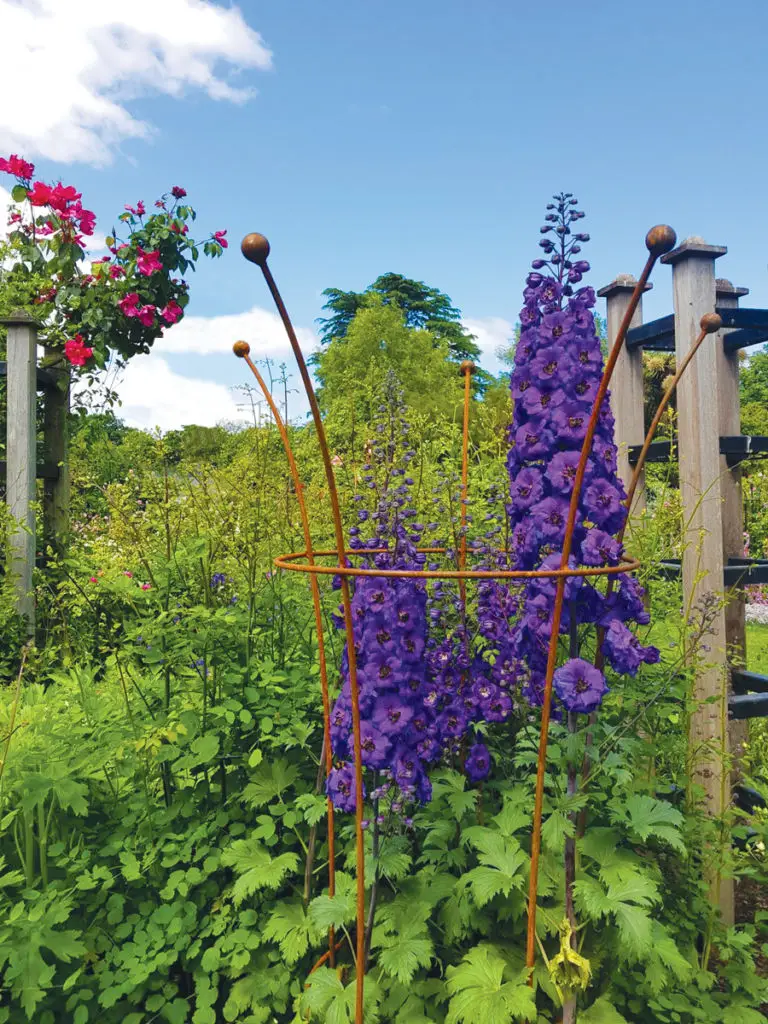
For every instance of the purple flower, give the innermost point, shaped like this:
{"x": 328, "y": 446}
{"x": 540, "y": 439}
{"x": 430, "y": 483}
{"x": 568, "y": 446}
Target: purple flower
{"x": 624, "y": 651}
{"x": 340, "y": 787}
{"x": 600, "y": 548}
{"x": 580, "y": 686}
{"x": 561, "y": 471}
{"x": 478, "y": 762}
{"x": 527, "y": 488}
{"x": 603, "y": 502}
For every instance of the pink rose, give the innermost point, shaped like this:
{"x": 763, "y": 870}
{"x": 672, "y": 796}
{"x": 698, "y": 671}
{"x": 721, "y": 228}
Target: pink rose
{"x": 147, "y": 315}
{"x": 146, "y": 586}
{"x": 128, "y": 574}
{"x": 17, "y": 167}
{"x": 39, "y": 194}
{"x": 219, "y": 237}
{"x": 62, "y": 195}
{"x": 77, "y": 352}
{"x": 130, "y": 304}
{"x": 172, "y": 312}
{"x": 116, "y": 272}
{"x": 177, "y": 192}
{"x": 148, "y": 262}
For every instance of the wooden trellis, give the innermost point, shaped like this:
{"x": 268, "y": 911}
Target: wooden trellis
{"x": 710, "y": 450}
{"x": 21, "y": 468}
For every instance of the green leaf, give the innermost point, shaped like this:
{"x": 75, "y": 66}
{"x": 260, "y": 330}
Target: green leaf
{"x": 591, "y": 898}
{"x": 402, "y": 953}
{"x": 334, "y": 911}
{"x": 556, "y": 827}
{"x": 292, "y": 929}
{"x": 19, "y": 194}
{"x": 479, "y": 993}
{"x": 665, "y": 960}
{"x": 638, "y": 889}
{"x": 130, "y": 866}
{"x": 645, "y": 816}
{"x": 635, "y": 928}
{"x": 742, "y": 1015}
{"x": 269, "y": 782}
{"x": 313, "y": 806}
{"x": 256, "y": 867}
{"x": 205, "y": 748}
{"x": 501, "y": 860}
{"x": 329, "y": 1001}
{"x": 394, "y": 859}
{"x": 602, "y": 1011}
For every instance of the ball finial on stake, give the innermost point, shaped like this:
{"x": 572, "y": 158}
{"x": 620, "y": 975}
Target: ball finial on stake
{"x": 255, "y": 248}
{"x": 711, "y": 323}
{"x": 467, "y": 366}
{"x": 241, "y": 349}
{"x": 660, "y": 239}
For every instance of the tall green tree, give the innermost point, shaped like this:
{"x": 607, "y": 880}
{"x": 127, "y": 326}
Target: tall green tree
{"x": 352, "y": 369}
{"x": 423, "y": 308}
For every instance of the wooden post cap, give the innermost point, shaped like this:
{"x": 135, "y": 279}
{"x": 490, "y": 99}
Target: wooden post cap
{"x": 241, "y": 349}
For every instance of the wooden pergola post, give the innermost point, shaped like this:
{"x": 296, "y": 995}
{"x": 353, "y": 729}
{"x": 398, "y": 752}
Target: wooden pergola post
{"x": 56, "y": 490}
{"x": 21, "y": 456}
{"x": 699, "y": 428}
{"x": 627, "y": 399}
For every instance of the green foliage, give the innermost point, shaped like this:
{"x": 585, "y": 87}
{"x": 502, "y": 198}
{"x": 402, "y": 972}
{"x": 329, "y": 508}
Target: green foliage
{"x": 479, "y": 991}
{"x": 352, "y": 372}
{"x": 422, "y": 308}
{"x": 162, "y": 818}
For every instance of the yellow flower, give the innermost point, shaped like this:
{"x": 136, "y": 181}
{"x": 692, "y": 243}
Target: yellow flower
{"x": 570, "y": 972}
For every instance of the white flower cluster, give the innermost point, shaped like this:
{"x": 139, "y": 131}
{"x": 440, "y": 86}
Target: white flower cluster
{"x": 757, "y": 613}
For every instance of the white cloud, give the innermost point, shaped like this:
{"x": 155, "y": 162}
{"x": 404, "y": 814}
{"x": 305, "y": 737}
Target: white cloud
{"x": 261, "y": 328}
{"x": 77, "y": 62}
{"x": 153, "y": 395}
{"x": 492, "y": 333}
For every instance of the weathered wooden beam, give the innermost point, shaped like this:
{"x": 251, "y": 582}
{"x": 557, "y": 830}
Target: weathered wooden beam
{"x": 748, "y": 682}
{"x": 43, "y": 470}
{"x": 21, "y": 442}
{"x": 627, "y": 384}
{"x": 737, "y": 340}
{"x": 742, "y": 446}
{"x": 658, "y": 451}
{"x": 656, "y": 335}
{"x": 739, "y": 316}
{"x": 748, "y": 705}
{"x": 45, "y": 378}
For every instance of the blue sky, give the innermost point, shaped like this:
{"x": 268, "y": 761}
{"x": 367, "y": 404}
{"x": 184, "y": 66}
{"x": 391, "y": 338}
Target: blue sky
{"x": 420, "y": 137}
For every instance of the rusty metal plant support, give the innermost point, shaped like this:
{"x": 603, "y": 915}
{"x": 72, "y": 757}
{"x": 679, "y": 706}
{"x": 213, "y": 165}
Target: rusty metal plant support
{"x": 256, "y": 249}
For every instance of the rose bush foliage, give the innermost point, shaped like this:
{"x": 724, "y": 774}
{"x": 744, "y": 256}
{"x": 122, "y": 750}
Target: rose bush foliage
{"x": 125, "y": 301}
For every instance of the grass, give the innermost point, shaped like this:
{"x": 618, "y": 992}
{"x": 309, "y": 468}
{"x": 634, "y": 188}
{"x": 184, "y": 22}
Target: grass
{"x": 757, "y": 648}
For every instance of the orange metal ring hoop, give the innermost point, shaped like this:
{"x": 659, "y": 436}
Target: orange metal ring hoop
{"x": 290, "y": 563}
